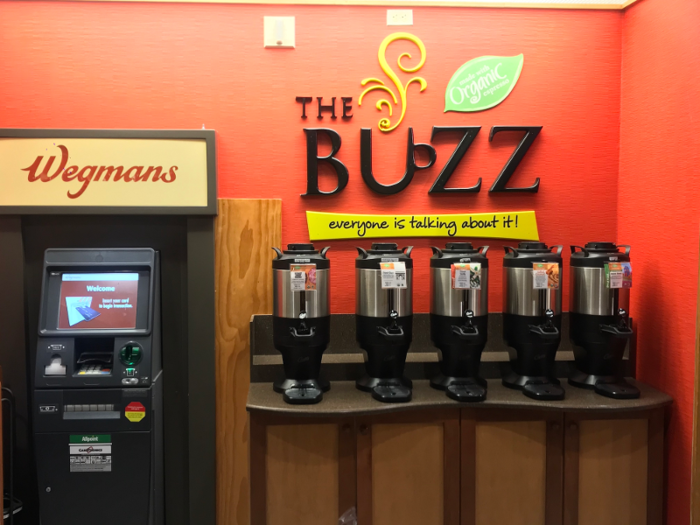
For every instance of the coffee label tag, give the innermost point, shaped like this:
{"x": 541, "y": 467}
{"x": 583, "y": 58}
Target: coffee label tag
{"x": 466, "y": 276}
{"x": 545, "y": 276}
{"x": 393, "y": 275}
{"x": 618, "y": 275}
{"x": 303, "y": 277}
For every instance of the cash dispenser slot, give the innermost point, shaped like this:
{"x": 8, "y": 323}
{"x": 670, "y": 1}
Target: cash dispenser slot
{"x": 94, "y": 356}
{"x": 92, "y": 411}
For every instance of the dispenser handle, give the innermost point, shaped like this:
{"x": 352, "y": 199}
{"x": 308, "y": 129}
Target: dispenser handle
{"x": 295, "y": 333}
{"x": 407, "y": 250}
{"x": 394, "y": 333}
{"x": 622, "y": 332}
{"x": 278, "y": 252}
{"x": 560, "y": 248}
{"x": 324, "y": 251}
{"x": 573, "y": 249}
{"x": 472, "y": 332}
{"x": 627, "y": 248}
{"x": 483, "y": 250}
{"x": 550, "y": 332}
{"x": 510, "y": 249}
{"x": 436, "y": 251}
{"x": 362, "y": 252}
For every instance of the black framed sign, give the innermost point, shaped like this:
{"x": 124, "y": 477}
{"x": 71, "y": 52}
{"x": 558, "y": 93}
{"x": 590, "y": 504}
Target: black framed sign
{"x": 102, "y": 172}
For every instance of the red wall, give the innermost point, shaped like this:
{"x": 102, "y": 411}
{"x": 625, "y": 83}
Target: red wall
{"x": 125, "y": 65}
{"x": 659, "y": 211}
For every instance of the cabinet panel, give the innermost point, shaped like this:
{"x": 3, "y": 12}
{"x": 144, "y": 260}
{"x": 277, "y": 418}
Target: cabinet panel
{"x": 408, "y": 474}
{"x": 511, "y": 461}
{"x": 613, "y": 472}
{"x": 302, "y": 474}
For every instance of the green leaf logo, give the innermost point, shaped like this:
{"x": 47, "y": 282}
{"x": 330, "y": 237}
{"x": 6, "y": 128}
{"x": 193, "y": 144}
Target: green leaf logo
{"x": 482, "y": 83}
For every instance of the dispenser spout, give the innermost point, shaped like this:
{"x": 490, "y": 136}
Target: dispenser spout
{"x": 546, "y": 330}
{"x": 622, "y": 328}
{"x": 467, "y": 330}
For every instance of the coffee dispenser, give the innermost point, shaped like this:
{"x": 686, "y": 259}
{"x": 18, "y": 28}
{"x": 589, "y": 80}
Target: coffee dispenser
{"x": 532, "y": 317}
{"x": 601, "y": 278}
{"x": 301, "y": 320}
{"x": 384, "y": 319}
{"x": 459, "y": 318}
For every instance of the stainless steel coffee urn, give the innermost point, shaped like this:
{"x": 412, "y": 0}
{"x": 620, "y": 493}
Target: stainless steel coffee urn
{"x": 532, "y": 277}
{"x": 384, "y": 319}
{"x": 459, "y": 277}
{"x": 601, "y": 278}
{"x": 301, "y": 320}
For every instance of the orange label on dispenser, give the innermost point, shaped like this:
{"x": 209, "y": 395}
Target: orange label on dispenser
{"x": 545, "y": 276}
{"x": 303, "y": 277}
{"x": 393, "y": 274}
{"x": 466, "y": 276}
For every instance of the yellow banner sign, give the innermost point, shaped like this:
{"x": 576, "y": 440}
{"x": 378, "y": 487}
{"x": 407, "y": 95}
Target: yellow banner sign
{"x": 103, "y": 172}
{"x": 521, "y": 225}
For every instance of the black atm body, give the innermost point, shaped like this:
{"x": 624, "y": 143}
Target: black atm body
{"x": 98, "y": 396}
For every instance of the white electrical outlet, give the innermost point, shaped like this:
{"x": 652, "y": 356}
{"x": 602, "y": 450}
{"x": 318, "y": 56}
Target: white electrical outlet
{"x": 399, "y": 17}
{"x": 278, "y": 32}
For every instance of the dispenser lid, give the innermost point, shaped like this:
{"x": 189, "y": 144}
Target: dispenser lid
{"x": 597, "y": 254}
{"x": 301, "y": 253}
{"x": 383, "y": 252}
{"x": 458, "y": 252}
{"x": 530, "y": 252}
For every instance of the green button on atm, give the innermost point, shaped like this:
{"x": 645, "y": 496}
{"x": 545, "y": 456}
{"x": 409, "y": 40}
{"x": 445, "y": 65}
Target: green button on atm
{"x": 131, "y": 354}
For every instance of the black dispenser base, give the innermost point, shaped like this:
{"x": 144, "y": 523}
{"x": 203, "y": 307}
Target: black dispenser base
{"x": 541, "y": 388}
{"x": 608, "y": 386}
{"x": 387, "y": 390}
{"x": 302, "y": 392}
{"x": 464, "y": 389}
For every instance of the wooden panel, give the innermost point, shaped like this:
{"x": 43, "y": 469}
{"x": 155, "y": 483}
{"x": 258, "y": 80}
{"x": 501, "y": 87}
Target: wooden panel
{"x": 302, "y": 474}
{"x": 364, "y": 474}
{"x": 655, "y": 469}
{"x": 347, "y": 468}
{"x": 612, "y": 472}
{"x": 510, "y": 472}
{"x": 468, "y": 466}
{"x": 407, "y": 474}
{"x": 245, "y": 231}
{"x": 554, "y": 474}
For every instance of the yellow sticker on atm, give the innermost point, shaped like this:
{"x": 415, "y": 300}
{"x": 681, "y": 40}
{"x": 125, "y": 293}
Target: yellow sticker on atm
{"x": 135, "y": 412}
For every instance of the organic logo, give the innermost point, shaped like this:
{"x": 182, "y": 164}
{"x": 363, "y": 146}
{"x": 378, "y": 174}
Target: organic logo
{"x": 482, "y": 83}
{"x": 88, "y": 174}
{"x": 385, "y": 123}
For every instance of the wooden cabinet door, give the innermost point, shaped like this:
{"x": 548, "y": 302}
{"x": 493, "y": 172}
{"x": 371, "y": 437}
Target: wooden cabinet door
{"x": 511, "y": 467}
{"x": 302, "y": 470}
{"x": 614, "y": 469}
{"x": 408, "y": 468}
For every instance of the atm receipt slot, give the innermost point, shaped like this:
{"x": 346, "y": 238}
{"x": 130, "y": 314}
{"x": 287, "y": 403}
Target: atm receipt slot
{"x": 56, "y": 368}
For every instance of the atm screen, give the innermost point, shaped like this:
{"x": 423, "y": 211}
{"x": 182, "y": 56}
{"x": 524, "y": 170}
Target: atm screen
{"x": 98, "y": 301}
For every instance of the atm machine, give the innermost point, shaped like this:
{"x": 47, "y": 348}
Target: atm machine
{"x": 98, "y": 396}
